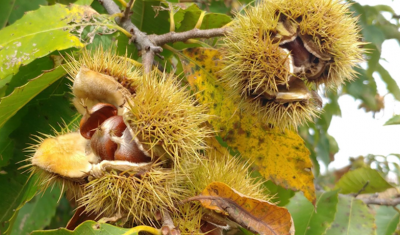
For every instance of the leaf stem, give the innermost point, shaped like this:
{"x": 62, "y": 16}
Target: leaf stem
{"x": 143, "y": 228}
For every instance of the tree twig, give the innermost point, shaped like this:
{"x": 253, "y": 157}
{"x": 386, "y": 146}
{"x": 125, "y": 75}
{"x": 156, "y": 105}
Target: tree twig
{"x": 151, "y": 45}
{"x": 362, "y": 189}
{"x": 381, "y": 202}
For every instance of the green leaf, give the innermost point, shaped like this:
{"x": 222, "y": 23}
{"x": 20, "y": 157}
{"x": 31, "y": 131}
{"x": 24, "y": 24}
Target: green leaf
{"x": 38, "y": 33}
{"x": 15, "y": 191}
{"x": 37, "y": 213}
{"x": 282, "y": 196}
{"x": 190, "y": 18}
{"x": 27, "y": 72}
{"x": 364, "y": 88}
{"x": 21, "y": 96}
{"x": 179, "y": 16}
{"x": 313, "y": 221}
{"x": 215, "y": 20}
{"x": 6, "y": 7}
{"x": 21, "y": 7}
{"x": 374, "y": 35}
{"x": 391, "y": 84}
{"x": 50, "y": 108}
{"x": 87, "y": 228}
{"x": 395, "y": 120}
{"x": 387, "y": 220}
{"x": 352, "y": 217}
{"x": 353, "y": 181}
{"x": 149, "y": 18}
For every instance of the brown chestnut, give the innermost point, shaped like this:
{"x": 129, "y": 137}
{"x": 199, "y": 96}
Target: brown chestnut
{"x": 95, "y": 117}
{"x": 130, "y": 149}
{"x": 101, "y": 142}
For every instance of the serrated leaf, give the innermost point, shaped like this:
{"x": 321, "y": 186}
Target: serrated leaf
{"x": 6, "y": 7}
{"x": 279, "y": 156}
{"x": 353, "y": 181}
{"x": 37, "y": 213}
{"x": 387, "y": 220}
{"x": 352, "y": 217}
{"x": 87, "y": 228}
{"x": 395, "y": 120}
{"x": 313, "y": 221}
{"x": 256, "y": 215}
{"x": 22, "y": 95}
{"x": 391, "y": 84}
{"x": 40, "y": 32}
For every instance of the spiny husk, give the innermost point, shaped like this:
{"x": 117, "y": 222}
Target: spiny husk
{"x": 288, "y": 115}
{"x": 163, "y": 115}
{"x": 188, "y": 218}
{"x": 227, "y": 169}
{"x": 216, "y": 168}
{"x": 251, "y": 49}
{"x": 46, "y": 178}
{"x": 135, "y": 197}
{"x": 106, "y": 62}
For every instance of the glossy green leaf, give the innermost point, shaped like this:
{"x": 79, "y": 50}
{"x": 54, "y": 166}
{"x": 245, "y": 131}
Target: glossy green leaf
{"x": 352, "y": 217}
{"x": 179, "y": 16}
{"x": 387, "y": 220}
{"x": 15, "y": 191}
{"x": 149, "y": 17}
{"x": 395, "y": 120}
{"x": 38, "y": 33}
{"x": 49, "y": 109}
{"x": 313, "y": 221}
{"x": 391, "y": 84}
{"x": 29, "y": 71}
{"x": 21, "y": 96}
{"x": 190, "y": 18}
{"x": 22, "y": 6}
{"x": 215, "y": 20}
{"x": 87, "y": 228}
{"x": 37, "y": 213}
{"x": 353, "y": 181}
{"x": 6, "y": 7}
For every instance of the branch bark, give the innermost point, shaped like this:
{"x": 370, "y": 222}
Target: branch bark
{"x": 381, "y": 202}
{"x": 151, "y": 45}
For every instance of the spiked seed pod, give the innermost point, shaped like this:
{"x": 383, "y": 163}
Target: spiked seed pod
{"x": 216, "y": 168}
{"x": 276, "y": 44}
{"x": 166, "y": 118}
{"x": 63, "y": 159}
{"x": 101, "y": 77}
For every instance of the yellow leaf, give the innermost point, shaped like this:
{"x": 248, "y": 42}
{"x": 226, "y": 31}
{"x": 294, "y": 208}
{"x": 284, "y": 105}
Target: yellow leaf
{"x": 256, "y": 215}
{"x": 279, "y": 156}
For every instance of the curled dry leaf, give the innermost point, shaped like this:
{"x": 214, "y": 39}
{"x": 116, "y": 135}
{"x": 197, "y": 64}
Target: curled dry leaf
{"x": 256, "y": 215}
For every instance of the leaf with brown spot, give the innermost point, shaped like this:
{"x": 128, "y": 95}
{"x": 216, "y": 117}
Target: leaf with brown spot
{"x": 279, "y": 156}
{"x": 256, "y": 215}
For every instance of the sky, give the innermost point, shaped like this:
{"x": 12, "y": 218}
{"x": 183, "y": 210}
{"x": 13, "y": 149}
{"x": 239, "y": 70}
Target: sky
{"x": 356, "y": 131}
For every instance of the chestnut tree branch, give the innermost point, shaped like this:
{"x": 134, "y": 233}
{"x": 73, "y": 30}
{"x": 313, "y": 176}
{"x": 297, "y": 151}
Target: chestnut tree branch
{"x": 151, "y": 45}
{"x": 381, "y": 202}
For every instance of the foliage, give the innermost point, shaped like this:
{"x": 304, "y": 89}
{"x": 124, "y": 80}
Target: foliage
{"x": 35, "y": 37}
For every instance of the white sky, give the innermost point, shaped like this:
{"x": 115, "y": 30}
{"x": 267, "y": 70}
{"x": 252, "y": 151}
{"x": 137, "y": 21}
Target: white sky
{"x": 357, "y": 132}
